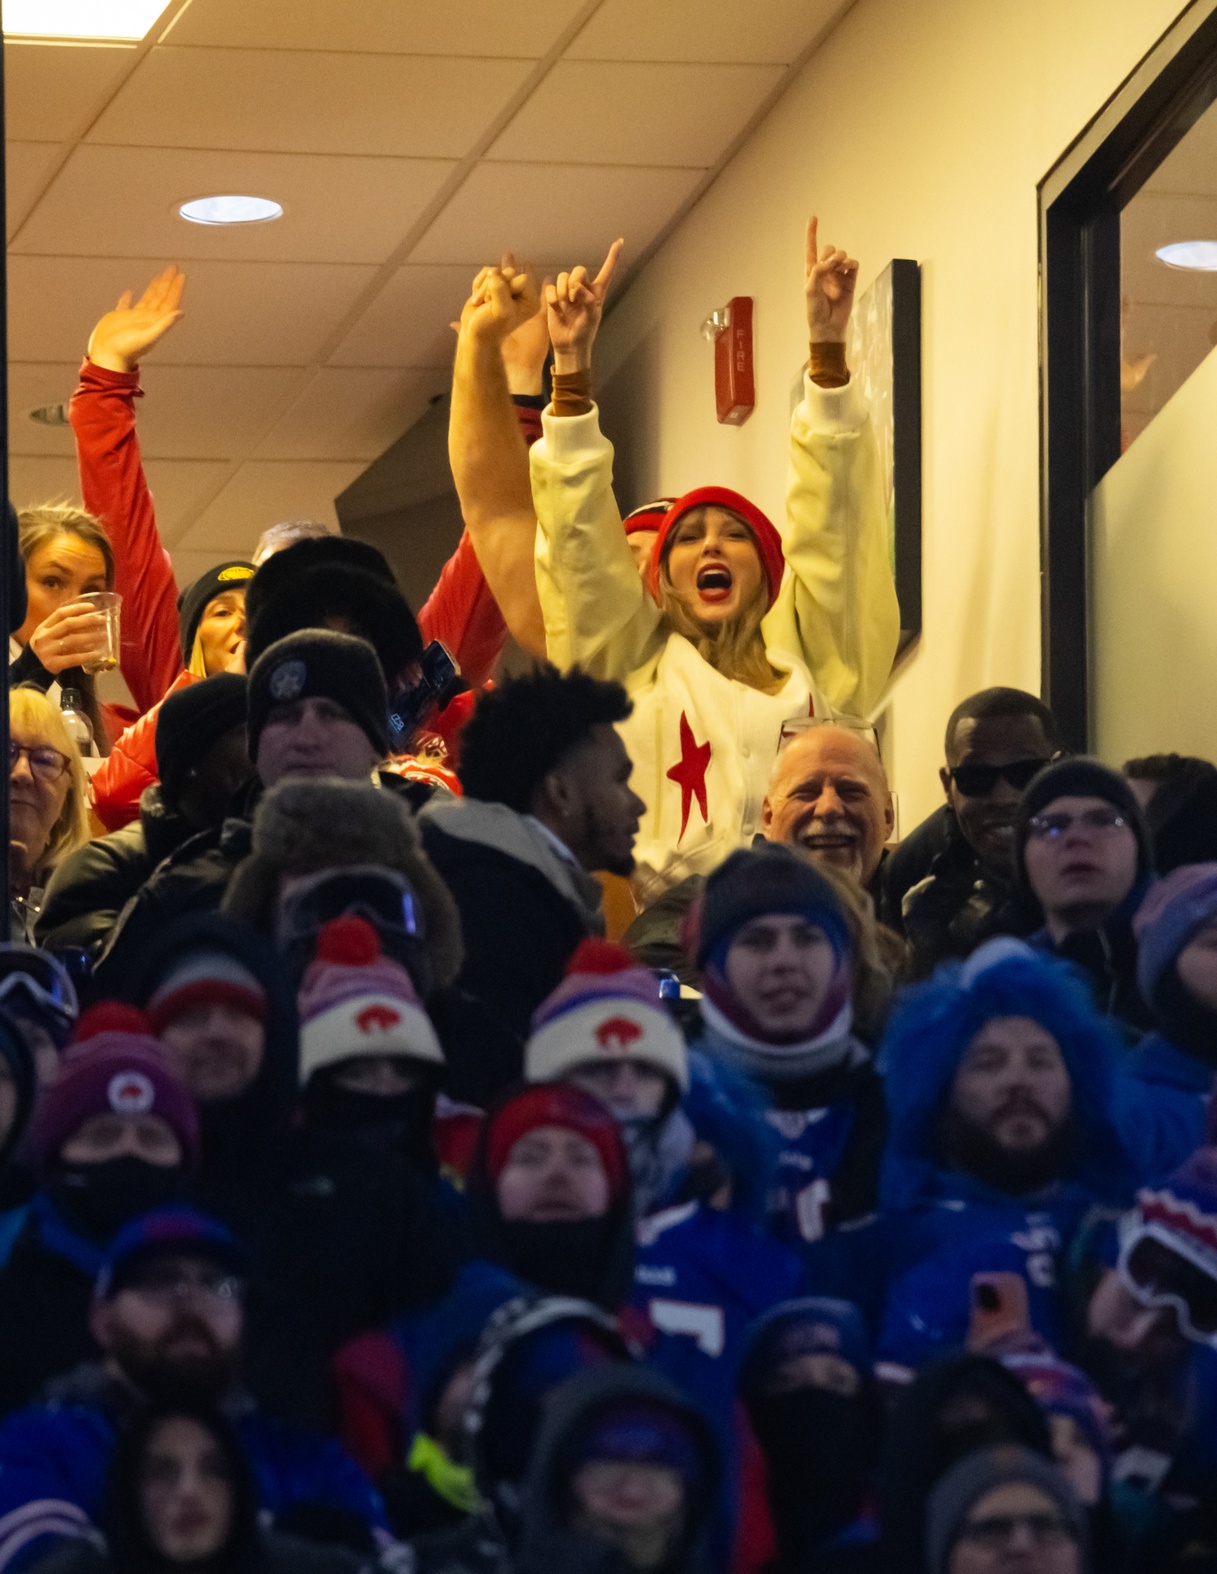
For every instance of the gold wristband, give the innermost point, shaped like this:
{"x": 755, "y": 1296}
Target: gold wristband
{"x": 827, "y": 365}
{"x": 572, "y": 392}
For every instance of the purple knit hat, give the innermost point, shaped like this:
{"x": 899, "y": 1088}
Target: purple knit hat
{"x": 1174, "y": 910}
{"x": 114, "y": 1064}
{"x": 606, "y": 1008}
{"x": 356, "y": 1001}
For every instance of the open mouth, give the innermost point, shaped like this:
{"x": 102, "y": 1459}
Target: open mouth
{"x": 828, "y": 841}
{"x": 714, "y": 582}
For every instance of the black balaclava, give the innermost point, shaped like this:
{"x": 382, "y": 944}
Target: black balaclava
{"x": 819, "y": 1451}
{"x": 96, "y": 1200}
{"x": 397, "y": 1123}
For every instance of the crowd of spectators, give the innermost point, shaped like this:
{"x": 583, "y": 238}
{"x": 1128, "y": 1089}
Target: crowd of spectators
{"x": 471, "y": 1124}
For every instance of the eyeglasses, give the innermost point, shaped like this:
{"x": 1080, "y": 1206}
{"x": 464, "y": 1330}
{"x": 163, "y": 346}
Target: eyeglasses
{"x": 1051, "y": 827}
{"x": 996, "y": 1531}
{"x": 1158, "y": 1275}
{"x": 978, "y": 781}
{"x": 222, "y": 1291}
{"x": 46, "y": 764}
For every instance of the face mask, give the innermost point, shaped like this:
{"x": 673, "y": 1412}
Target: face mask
{"x": 399, "y": 1123}
{"x": 98, "y": 1199}
{"x": 818, "y": 1450}
{"x": 565, "y": 1257}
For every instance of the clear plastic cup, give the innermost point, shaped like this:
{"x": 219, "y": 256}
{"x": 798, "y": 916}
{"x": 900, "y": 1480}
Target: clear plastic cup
{"x": 108, "y": 602}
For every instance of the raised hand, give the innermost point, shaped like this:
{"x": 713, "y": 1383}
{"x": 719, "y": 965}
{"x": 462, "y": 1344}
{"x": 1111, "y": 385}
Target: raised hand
{"x": 124, "y": 336}
{"x": 574, "y": 307}
{"x": 73, "y": 634}
{"x": 829, "y": 281}
{"x": 525, "y": 350}
{"x": 501, "y": 300}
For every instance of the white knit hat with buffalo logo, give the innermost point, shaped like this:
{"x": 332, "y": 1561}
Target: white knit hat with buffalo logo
{"x": 356, "y": 1001}
{"x": 606, "y": 1008}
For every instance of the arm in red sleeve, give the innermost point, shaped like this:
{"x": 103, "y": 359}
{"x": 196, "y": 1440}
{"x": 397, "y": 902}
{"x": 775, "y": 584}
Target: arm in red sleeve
{"x": 115, "y": 491}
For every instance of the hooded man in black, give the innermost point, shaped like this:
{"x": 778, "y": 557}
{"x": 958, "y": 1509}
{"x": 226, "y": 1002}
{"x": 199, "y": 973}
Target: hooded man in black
{"x": 343, "y": 1237}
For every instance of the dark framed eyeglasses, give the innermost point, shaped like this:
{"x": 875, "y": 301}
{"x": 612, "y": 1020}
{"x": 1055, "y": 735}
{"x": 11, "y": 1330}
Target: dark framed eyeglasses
{"x": 995, "y": 1531}
{"x": 978, "y": 781}
{"x": 46, "y": 764}
{"x": 1051, "y": 827}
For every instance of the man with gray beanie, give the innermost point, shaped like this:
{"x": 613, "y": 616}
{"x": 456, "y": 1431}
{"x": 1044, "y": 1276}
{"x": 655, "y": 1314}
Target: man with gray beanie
{"x": 316, "y": 706}
{"x": 1082, "y": 849}
{"x": 1005, "y": 1510}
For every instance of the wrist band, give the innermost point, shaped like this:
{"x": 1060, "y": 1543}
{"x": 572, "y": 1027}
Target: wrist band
{"x": 827, "y": 366}
{"x": 572, "y": 392}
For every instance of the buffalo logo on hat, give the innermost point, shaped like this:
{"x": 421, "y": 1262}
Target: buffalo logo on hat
{"x": 617, "y": 1033}
{"x": 130, "y": 1093}
{"x": 287, "y": 681}
{"x": 377, "y": 1019}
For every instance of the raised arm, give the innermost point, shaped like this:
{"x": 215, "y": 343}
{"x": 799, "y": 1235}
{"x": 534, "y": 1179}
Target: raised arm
{"x": 486, "y": 447}
{"x": 597, "y": 614}
{"x": 115, "y": 489}
{"x": 838, "y": 606}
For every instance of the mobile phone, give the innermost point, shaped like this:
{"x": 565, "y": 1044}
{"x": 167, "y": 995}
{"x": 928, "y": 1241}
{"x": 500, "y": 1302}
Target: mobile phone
{"x": 438, "y": 671}
{"x": 999, "y": 1308}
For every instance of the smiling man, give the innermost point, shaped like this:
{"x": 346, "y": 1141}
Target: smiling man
{"x": 828, "y": 796}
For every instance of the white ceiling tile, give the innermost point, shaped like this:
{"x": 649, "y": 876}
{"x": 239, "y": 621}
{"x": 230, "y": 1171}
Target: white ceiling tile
{"x": 407, "y": 323}
{"x": 178, "y": 487}
{"x": 31, "y": 386}
{"x": 52, "y": 90}
{"x": 1154, "y": 219}
{"x": 567, "y": 211}
{"x": 617, "y": 113}
{"x": 352, "y": 413}
{"x": 297, "y": 101}
{"x": 459, "y": 27}
{"x": 237, "y": 313}
{"x": 26, "y": 168}
{"x": 42, "y": 479}
{"x": 774, "y": 32}
{"x": 122, "y": 202}
{"x": 211, "y": 412}
{"x": 189, "y": 566}
{"x": 264, "y": 491}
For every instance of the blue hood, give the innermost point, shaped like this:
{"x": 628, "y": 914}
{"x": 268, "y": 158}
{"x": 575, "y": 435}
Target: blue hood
{"x": 925, "y": 1043}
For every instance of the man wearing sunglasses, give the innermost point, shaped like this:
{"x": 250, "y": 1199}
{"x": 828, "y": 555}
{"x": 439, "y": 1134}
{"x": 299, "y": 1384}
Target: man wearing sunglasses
{"x": 1082, "y": 849}
{"x": 950, "y": 885}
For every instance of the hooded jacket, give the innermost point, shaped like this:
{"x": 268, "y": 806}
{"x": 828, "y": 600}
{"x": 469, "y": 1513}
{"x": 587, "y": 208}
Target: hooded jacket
{"x": 549, "y": 1544}
{"x": 523, "y": 910}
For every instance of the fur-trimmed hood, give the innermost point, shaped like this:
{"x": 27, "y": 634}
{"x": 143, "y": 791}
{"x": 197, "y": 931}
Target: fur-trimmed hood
{"x": 307, "y": 824}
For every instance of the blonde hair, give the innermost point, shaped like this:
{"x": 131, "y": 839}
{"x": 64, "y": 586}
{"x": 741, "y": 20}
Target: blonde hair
{"x": 31, "y": 712}
{"x": 735, "y": 648}
{"x": 43, "y": 523}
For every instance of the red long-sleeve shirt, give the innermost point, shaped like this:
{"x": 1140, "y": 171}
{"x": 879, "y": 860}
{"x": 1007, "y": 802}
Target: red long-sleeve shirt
{"x": 460, "y": 611}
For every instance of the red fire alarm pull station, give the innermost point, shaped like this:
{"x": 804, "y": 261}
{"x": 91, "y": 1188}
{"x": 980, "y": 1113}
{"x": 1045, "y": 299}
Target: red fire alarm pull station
{"x": 734, "y": 386}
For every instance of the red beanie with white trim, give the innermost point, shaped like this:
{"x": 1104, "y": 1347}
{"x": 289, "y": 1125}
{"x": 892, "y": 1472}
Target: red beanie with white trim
{"x": 356, "y": 1001}
{"x": 607, "y": 1008}
{"x": 765, "y": 533}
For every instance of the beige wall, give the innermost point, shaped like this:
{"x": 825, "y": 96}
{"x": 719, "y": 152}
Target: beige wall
{"x": 1154, "y": 566}
{"x": 919, "y": 129}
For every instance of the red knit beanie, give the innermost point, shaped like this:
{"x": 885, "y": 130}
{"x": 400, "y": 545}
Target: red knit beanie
{"x": 648, "y": 516}
{"x": 768, "y": 541}
{"x": 555, "y": 1104}
{"x": 113, "y": 1064}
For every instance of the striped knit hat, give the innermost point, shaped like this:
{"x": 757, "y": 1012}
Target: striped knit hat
{"x": 1182, "y": 1211}
{"x": 206, "y": 977}
{"x": 356, "y": 1001}
{"x": 606, "y": 1008}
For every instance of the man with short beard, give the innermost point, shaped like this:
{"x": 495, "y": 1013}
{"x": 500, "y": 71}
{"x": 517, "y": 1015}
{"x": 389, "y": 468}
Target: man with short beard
{"x": 1003, "y": 1133}
{"x": 168, "y": 1315}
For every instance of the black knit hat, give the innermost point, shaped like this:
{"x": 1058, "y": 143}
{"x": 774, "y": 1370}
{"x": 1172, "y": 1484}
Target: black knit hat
{"x": 1081, "y": 778}
{"x": 771, "y": 878}
{"x": 332, "y": 582}
{"x": 190, "y": 720}
{"x": 192, "y": 603}
{"x": 316, "y": 662}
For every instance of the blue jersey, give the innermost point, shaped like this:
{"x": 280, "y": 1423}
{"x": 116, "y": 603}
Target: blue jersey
{"x": 701, "y": 1277}
{"x": 54, "y": 1459}
{"x": 814, "y": 1142}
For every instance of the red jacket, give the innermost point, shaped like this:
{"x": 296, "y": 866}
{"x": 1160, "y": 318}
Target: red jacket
{"x": 460, "y": 611}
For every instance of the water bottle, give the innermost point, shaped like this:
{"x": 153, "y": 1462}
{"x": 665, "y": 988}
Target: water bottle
{"x": 80, "y": 729}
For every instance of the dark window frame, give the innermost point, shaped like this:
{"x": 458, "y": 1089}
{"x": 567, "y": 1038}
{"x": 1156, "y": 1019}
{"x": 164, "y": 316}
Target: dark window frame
{"x": 1080, "y": 200}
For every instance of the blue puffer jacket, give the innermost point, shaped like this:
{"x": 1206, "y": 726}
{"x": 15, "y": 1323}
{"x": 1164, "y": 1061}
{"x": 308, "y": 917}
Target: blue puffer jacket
{"x": 54, "y": 1458}
{"x": 1164, "y": 1101}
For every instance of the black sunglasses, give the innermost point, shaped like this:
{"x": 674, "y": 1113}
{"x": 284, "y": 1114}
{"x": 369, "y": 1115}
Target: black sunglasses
{"x": 978, "y": 781}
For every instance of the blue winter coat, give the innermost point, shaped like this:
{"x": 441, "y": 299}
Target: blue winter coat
{"x": 1164, "y": 1098}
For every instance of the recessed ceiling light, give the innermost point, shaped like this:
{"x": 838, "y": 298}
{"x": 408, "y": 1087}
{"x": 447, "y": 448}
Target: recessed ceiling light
{"x": 117, "y": 19}
{"x": 1198, "y": 255}
{"x": 50, "y": 415}
{"x": 231, "y": 210}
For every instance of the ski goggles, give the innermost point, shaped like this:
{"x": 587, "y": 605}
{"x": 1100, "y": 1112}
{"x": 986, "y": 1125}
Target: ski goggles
{"x": 978, "y": 781}
{"x": 33, "y": 983}
{"x": 1158, "y": 1270}
{"x": 384, "y": 897}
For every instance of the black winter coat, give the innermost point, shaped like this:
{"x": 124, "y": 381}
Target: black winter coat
{"x": 89, "y": 889}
